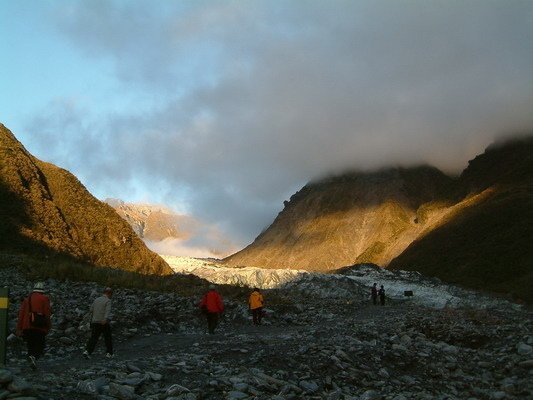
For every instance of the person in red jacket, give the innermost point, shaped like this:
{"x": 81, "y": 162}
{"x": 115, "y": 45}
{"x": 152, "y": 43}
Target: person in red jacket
{"x": 212, "y": 305}
{"x": 34, "y": 322}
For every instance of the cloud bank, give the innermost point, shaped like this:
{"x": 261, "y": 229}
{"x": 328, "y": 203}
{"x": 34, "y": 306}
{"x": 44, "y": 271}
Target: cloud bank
{"x": 240, "y": 103}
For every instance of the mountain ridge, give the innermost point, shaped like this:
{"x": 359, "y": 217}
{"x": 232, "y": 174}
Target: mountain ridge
{"x": 404, "y": 218}
{"x": 47, "y": 211}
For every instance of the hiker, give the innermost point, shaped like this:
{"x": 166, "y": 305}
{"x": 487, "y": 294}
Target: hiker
{"x": 374, "y": 294}
{"x": 255, "y": 303}
{"x": 382, "y": 295}
{"x": 34, "y": 322}
{"x": 100, "y": 313}
{"x": 212, "y": 305}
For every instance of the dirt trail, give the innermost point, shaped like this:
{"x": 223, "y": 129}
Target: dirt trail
{"x": 229, "y": 338}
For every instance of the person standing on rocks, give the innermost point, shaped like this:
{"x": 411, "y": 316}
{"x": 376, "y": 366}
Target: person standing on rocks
{"x": 34, "y": 322}
{"x": 212, "y": 305}
{"x": 382, "y": 295}
{"x": 100, "y": 313}
{"x": 374, "y": 294}
{"x": 255, "y": 302}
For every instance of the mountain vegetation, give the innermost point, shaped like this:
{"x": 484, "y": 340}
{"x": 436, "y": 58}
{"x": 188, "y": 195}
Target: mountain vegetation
{"x": 47, "y": 212}
{"x": 474, "y": 229}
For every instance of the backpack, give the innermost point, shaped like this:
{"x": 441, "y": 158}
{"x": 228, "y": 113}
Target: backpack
{"x": 37, "y": 320}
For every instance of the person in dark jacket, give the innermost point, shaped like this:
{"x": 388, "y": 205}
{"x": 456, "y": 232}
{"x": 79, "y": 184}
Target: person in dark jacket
{"x": 374, "y": 294}
{"x": 34, "y": 322}
{"x": 381, "y": 294}
{"x": 212, "y": 306}
{"x": 100, "y": 313}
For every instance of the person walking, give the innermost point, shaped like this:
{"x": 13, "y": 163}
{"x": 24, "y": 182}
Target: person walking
{"x": 212, "y": 306}
{"x": 100, "y": 313}
{"x": 34, "y": 323}
{"x": 374, "y": 294}
{"x": 255, "y": 302}
{"x": 381, "y": 295}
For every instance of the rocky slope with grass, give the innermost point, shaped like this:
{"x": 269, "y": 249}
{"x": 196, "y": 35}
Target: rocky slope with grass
{"x": 474, "y": 229}
{"x": 321, "y": 339}
{"x": 46, "y": 211}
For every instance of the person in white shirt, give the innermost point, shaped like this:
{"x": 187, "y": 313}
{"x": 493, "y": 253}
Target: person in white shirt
{"x": 101, "y": 323}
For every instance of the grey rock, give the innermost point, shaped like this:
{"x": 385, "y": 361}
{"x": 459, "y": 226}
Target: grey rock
{"x": 5, "y": 376}
{"x": 241, "y": 386}
{"x": 523, "y": 348}
{"x": 66, "y": 340}
{"x": 370, "y": 395}
{"x": 383, "y": 373}
{"x": 308, "y": 386}
{"x": 399, "y": 347}
{"x": 236, "y": 395}
{"x": 19, "y": 385}
{"x": 176, "y": 389}
{"x": 526, "y": 363}
{"x": 123, "y": 392}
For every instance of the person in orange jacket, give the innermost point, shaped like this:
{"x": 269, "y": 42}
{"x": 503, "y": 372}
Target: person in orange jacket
{"x": 212, "y": 306}
{"x": 255, "y": 302}
{"x": 34, "y": 322}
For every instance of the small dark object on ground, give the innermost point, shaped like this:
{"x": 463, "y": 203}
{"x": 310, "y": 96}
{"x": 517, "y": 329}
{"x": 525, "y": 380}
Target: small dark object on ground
{"x": 408, "y": 293}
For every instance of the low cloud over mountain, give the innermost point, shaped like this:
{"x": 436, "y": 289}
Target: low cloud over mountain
{"x": 229, "y": 107}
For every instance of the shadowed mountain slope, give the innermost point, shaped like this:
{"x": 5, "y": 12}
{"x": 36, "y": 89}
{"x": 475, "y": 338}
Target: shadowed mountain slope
{"x": 45, "y": 210}
{"x": 487, "y": 243}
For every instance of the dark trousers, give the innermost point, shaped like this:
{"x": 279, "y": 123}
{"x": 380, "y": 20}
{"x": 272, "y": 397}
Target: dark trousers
{"x": 96, "y": 331}
{"x": 257, "y": 314}
{"x": 212, "y": 321}
{"x": 375, "y": 299}
{"x": 35, "y": 340}
{"x": 382, "y": 300}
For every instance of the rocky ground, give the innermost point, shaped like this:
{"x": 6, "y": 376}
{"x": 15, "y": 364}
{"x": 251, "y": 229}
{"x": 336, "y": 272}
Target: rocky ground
{"x": 311, "y": 346}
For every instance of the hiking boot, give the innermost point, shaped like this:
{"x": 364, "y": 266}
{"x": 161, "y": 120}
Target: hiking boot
{"x": 109, "y": 355}
{"x": 86, "y": 354}
{"x": 33, "y": 362}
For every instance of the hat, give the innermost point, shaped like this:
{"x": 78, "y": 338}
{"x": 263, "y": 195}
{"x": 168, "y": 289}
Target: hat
{"x": 38, "y": 287}
{"x": 108, "y": 290}
{"x": 211, "y": 286}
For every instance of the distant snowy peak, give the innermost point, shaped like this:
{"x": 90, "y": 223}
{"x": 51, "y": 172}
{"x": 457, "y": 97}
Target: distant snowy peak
{"x": 166, "y": 232}
{"x": 154, "y": 222}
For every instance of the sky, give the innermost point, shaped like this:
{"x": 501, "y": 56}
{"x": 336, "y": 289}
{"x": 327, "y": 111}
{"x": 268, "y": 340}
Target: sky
{"x": 223, "y": 109}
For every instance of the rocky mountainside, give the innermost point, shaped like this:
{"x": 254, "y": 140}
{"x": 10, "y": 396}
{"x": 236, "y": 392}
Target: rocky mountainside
{"x": 46, "y": 211}
{"x": 154, "y": 222}
{"x": 486, "y": 242}
{"x": 475, "y": 229}
{"x": 353, "y": 218}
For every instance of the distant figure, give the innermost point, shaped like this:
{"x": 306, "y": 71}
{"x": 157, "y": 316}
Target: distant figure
{"x": 212, "y": 305}
{"x": 100, "y": 313}
{"x": 374, "y": 293}
{"x": 34, "y": 322}
{"x": 382, "y": 295}
{"x": 256, "y": 305}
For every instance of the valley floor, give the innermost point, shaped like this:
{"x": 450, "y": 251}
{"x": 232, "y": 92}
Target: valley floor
{"x": 308, "y": 348}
